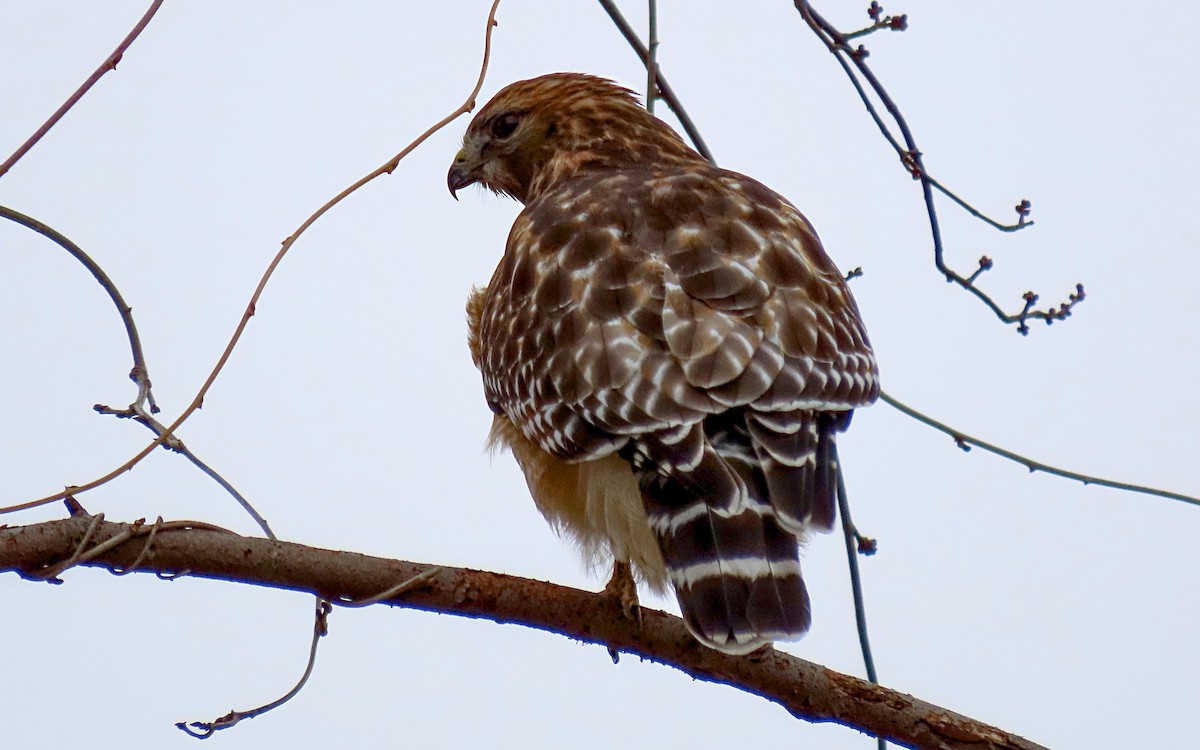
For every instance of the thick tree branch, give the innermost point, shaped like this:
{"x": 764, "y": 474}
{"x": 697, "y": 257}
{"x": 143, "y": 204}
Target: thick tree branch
{"x": 808, "y": 691}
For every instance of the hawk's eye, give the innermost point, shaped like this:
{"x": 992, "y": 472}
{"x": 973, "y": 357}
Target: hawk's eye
{"x": 505, "y": 125}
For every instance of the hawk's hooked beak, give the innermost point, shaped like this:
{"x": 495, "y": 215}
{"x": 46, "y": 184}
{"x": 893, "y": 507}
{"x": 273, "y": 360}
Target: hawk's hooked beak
{"x": 459, "y": 176}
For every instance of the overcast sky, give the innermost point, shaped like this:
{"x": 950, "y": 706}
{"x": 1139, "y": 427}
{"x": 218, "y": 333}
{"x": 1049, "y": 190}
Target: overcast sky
{"x": 352, "y": 417}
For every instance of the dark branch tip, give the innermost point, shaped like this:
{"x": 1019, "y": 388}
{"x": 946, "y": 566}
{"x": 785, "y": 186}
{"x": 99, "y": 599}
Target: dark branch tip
{"x": 985, "y": 264}
{"x": 880, "y": 21}
{"x": 205, "y": 730}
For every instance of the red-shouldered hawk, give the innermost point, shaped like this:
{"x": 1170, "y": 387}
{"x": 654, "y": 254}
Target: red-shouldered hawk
{"x": 668, "y": 351}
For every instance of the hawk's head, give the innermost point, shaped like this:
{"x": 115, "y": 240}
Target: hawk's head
{"x": 533, "y": 133}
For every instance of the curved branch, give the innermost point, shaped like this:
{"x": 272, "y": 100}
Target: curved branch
{"x": 143, "y": 407}
{"x": 386, "y": 168}
{"x": 110, "y": 63}
{"x": 140, "y": 373}
{"x": 202, "y": 730}
{"x": 807, "y": 690}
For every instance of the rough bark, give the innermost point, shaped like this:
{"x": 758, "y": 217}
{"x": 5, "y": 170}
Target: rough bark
{"x": 807, "y": 690}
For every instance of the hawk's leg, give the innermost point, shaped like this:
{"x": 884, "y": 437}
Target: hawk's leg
{"x": 623, "y": 588}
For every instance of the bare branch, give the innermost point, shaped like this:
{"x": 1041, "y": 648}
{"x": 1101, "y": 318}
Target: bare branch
{"x": 143, "y": 407}
{"x": 1023, "y": 209}
{"x": 175, "y": 444}
{"x": 853, "y": 62}
{"x": 652, "y": 57}
{"x": 140, "y": 373}
{"x": 202, "y": 730}
{"x": 966, "y": 442}
{"x": 666, "y": 93}
{"x": 850, "y": 535}
{"x": 110, "y": 63}
{"x": 387, "y": 168}
{"x": 807, "y": 690}
{"x": 879, "y": 22}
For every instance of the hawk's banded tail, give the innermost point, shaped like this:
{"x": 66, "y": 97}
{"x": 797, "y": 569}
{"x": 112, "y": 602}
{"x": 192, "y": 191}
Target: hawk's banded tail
{"x": 729, "y": 500}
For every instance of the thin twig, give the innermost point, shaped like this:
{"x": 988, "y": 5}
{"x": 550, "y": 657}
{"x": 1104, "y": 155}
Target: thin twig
{"x": 851, "y": 535}
{"x": 173, "y": 443}
{"x": 143, "y": 407}
{"x": 83, "y": 554}
{"x": 652, "y": 56}
{"x": 387, "y": 168}
{"x": 202, "y": 730}
{"x": 853, "y": 59}
{"x": 110, "y": 63}
{"x": 965, "y": 442}
{"x": 406, "y": 585}
{"x": 879, "y": 22}
{"x": 154, "y": 528}
{"x": 139, "y": 374}
{"x": 51, "y": 572}
{"x": 666, "y": 93}
{"x": 165, "y": 435}
{"x": 1018, "y": 225}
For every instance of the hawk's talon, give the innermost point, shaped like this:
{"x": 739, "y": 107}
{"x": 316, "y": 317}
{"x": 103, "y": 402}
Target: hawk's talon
{"x": 623, "y": 588}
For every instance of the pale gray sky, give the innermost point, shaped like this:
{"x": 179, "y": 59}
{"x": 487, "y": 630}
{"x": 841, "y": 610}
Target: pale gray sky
{"x": 352, "y": 417}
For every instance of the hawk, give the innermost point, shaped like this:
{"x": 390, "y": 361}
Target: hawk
{"x": 668, "y": 353}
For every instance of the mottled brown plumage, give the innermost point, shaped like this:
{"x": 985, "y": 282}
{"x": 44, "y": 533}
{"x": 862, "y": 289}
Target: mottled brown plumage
{"x": 668, "y": 352}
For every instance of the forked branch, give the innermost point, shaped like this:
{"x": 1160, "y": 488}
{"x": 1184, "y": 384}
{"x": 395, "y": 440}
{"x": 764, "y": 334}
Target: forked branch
{"x": 853, "y": 62}
{"x": 386, "y": 168}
